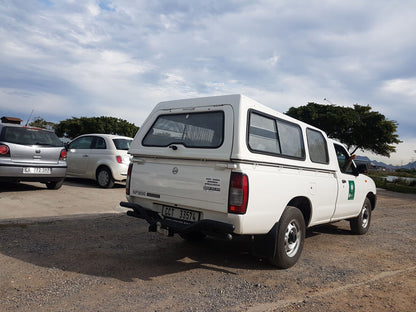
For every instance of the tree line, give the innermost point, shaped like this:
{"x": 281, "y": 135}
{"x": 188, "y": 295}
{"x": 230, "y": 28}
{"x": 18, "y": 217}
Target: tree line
{"x": 73, "y": 127}
{"x": 358, "y": 127}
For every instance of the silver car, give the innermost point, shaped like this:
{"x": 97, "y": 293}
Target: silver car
{"x": 31, "y": 154}
{"x": 101, "y": 157}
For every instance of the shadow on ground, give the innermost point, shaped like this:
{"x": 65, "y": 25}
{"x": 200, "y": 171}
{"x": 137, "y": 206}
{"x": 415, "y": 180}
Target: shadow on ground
{"x": 120, "y": 247}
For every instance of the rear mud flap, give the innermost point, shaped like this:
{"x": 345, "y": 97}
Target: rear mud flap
{"x": 264, "y": 246}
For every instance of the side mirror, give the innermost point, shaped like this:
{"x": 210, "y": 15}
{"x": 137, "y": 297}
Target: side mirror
{"x": 362, "y": 168}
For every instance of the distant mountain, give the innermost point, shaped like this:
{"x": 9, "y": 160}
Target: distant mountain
{"x": 410, "y": 165}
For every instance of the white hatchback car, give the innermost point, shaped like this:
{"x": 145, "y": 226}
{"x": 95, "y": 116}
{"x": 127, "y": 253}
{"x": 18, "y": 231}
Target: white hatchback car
{"x": 101, "y": 157}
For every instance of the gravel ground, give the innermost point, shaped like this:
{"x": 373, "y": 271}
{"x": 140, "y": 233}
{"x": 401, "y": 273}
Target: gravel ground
{"x": 109, "y": 262}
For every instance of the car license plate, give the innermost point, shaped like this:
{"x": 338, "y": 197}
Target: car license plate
{"x": 35, "y": 170}
{"x": 180, "y": 214}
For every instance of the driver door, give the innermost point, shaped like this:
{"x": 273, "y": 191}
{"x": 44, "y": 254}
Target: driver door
{"x": 347, "y": 199}
{"x": 77, "y": 156}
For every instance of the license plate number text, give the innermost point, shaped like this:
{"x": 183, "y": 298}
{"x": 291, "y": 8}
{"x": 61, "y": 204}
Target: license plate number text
{"x": 35, "y": 170}
{"x": 180, "y": 214}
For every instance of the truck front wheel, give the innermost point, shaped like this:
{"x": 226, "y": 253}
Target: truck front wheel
{"x": 289, "y": 239}
{"x": 361, "y": 223}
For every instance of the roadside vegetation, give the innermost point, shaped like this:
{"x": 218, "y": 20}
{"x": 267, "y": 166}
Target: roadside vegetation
{"x": 405, "y": 182}
{"x": 73, "y": 127}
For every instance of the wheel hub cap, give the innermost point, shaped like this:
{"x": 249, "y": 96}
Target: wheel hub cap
{"x": 292, "y": 238}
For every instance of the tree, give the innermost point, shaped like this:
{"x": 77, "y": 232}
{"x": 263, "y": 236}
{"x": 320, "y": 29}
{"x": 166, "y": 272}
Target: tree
{"x": 74, "y": 126}
{"x": 42, "y": 123}
{"x": 357, "y": 128}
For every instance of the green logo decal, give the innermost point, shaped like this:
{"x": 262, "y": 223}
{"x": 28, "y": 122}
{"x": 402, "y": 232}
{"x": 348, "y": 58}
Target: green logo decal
{"x": 351, "y": 192}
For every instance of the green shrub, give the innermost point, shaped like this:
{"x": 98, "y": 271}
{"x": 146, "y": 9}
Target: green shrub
{"x": 399, "y": 185}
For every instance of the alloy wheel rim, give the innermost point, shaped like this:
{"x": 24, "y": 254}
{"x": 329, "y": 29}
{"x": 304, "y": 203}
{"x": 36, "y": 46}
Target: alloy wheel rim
{"x": 292, "y": 238}
{"x": 365, "y": 216}
{"x": 103, "y": 178}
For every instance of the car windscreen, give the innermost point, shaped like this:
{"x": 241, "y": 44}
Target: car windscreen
{"x": 197, "y": 130}
{"x": 122, "y": 144}
{"x": 30, "y": 136}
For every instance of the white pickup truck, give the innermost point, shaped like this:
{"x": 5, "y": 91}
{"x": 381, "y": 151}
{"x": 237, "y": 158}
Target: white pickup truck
{"x": 228, "y": 166}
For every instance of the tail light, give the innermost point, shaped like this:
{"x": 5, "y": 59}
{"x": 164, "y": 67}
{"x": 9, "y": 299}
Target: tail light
{"x": 128, "y": 178}
{"x": 238, "y": 197}
{"x": 119, "y": 159}
{"x": 4, "y": 150}
{"x": 63, "y": 154}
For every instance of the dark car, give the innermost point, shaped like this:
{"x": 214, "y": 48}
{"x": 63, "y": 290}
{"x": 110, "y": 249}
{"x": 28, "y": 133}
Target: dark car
{"x": 31, "y": 154}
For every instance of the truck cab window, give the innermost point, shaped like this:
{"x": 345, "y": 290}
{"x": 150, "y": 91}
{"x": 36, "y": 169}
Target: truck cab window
{"x": 346, "y": 165}
{"x": 318, "y": 152}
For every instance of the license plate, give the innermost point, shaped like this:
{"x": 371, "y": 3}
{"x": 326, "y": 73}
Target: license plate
{"x": 180, "y": 214}
{"x": 35, "y": 170}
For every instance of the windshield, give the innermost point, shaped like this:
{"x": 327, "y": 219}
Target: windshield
{"x": 30, "y": 136}
{"x": 122, "y": 144}
{"x": 203, "y": 130}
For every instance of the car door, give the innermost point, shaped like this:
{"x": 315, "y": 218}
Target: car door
{"x": 96, "y": 155}
{"x": 77, "y": 156}
{"x": 347, "y": 200}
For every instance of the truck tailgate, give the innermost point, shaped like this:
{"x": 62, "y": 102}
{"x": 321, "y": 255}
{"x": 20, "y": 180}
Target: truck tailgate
{"x": 200, "y": 185}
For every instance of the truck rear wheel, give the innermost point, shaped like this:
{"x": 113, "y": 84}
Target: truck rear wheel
{"x": 290, "y": 236}
{"x": 361, "y": 223}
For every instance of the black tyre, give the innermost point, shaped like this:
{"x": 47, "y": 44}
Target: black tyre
{"x": 105, "y": 178}
{"x": 54, "y": 185}
{"x": 361, "y": 223}
{"x": 290, "y": 236}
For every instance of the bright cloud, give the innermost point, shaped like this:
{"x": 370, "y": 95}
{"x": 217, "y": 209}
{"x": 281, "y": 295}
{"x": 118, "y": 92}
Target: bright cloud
{"x": 404, "y": 87}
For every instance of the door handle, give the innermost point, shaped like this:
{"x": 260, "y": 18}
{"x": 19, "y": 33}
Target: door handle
{"x": 225, "y": 166}
{"x": 344, "y": 181}
{"x": 84, "y": 155}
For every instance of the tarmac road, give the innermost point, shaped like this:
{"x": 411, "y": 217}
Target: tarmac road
{"x": 74, "y": 249}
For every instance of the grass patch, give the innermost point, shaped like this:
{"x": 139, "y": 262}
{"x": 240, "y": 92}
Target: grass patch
{"x": 399, "y": 185}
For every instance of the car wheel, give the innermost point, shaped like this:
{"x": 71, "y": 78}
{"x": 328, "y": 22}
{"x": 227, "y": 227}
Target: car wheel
{"x": 54, "y": 185}
{"x": 361, "y": 223}
{"x": 104, "y": 178}
{"x": 289, "y": 238}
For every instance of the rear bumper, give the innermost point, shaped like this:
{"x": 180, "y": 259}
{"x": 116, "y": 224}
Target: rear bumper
{"x": 119, "y": 172}
{"x": 120, "y": 176}
{"x": 14, "y": 173}
{"x": 170, "y": 226}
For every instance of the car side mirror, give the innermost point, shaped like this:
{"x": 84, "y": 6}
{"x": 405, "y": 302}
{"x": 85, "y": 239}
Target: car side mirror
{"x": 362, "y": 168}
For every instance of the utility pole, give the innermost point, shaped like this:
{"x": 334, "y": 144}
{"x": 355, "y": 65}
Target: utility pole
{"x": 29, "y": 117}
{"x": 325, "y": 99}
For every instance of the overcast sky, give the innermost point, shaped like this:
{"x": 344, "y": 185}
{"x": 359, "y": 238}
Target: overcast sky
{"x": 120, "y": 58}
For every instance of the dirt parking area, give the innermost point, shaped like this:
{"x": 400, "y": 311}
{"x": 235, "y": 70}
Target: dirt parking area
{"x": 75, "y": 250}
